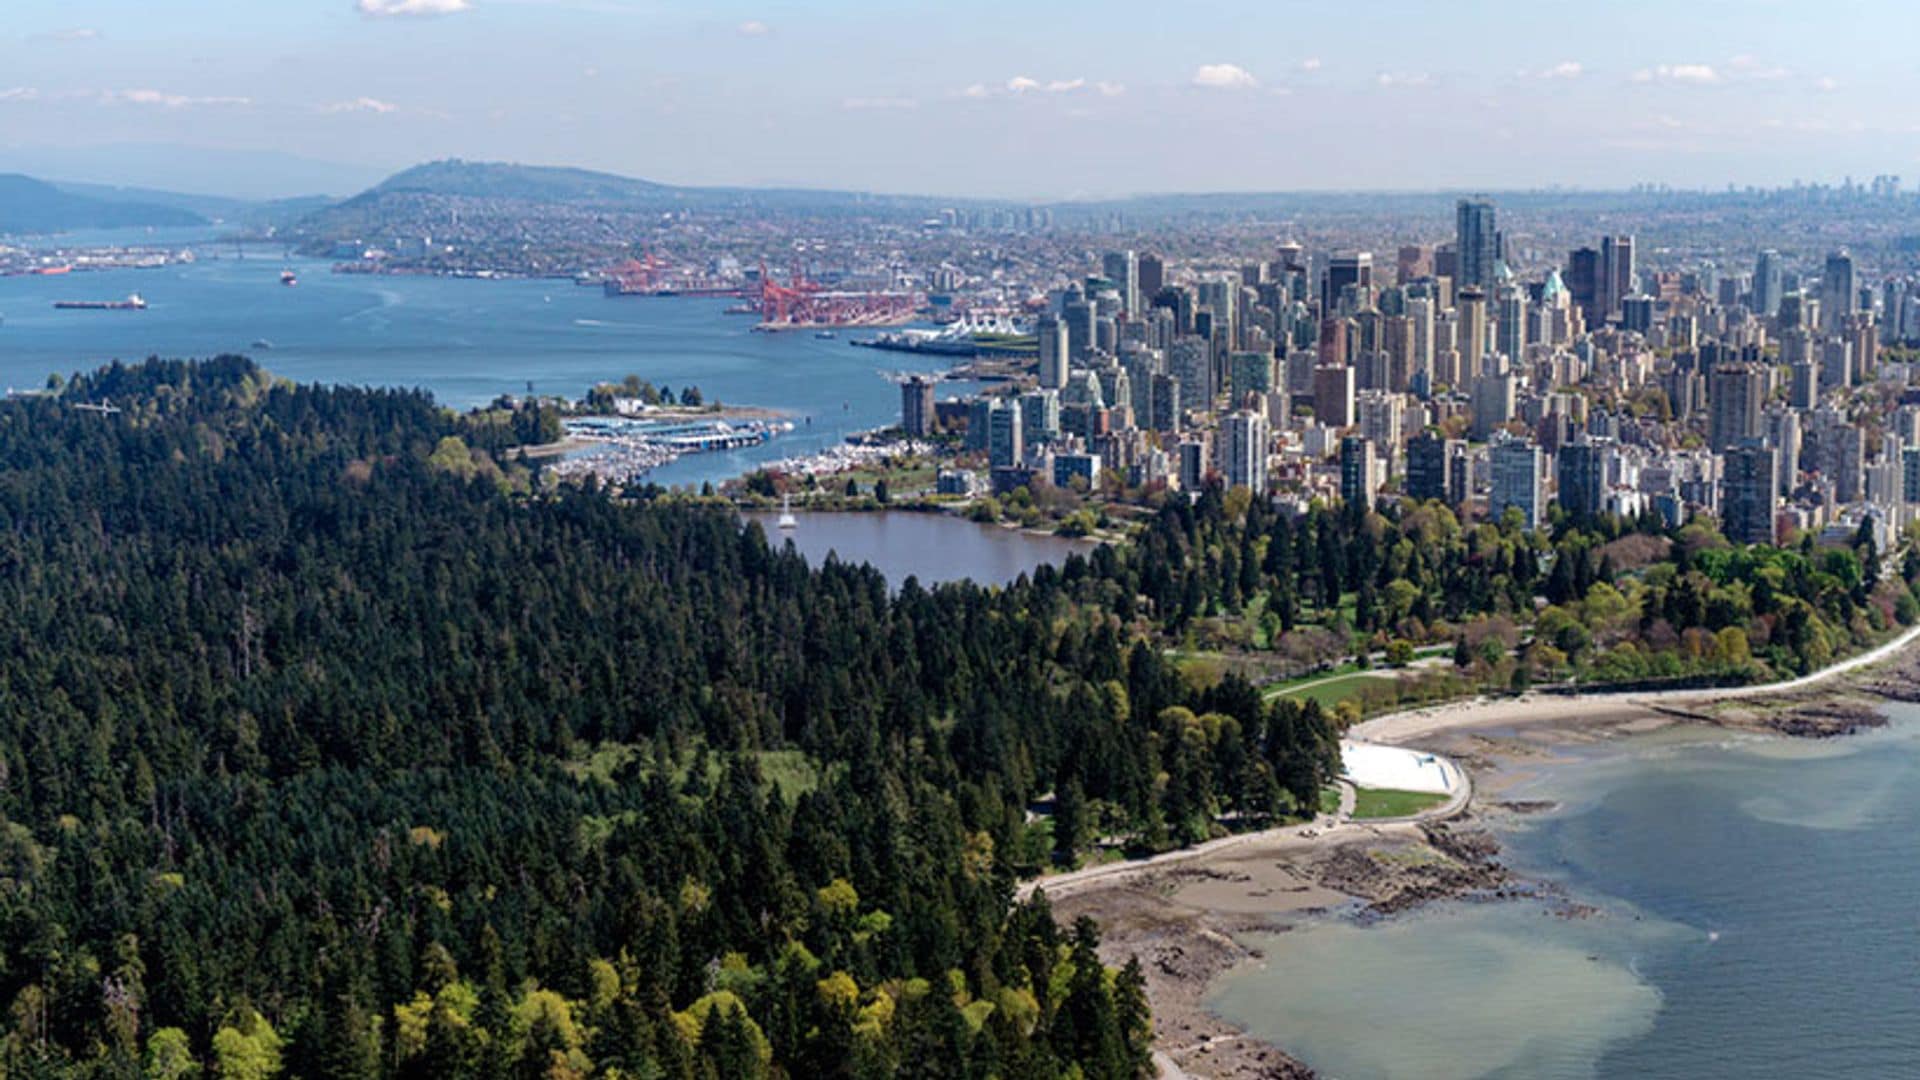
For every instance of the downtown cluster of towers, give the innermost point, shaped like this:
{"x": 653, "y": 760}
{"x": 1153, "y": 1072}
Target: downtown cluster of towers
{"x": 1593, "y": 381}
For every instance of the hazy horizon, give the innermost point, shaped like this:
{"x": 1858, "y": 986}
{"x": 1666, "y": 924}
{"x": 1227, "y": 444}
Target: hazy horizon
{"x": 1069, "y": 101}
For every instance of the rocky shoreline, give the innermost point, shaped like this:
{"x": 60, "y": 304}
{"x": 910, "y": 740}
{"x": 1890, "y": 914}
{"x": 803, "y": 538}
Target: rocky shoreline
{"x": 1189, "y": 923}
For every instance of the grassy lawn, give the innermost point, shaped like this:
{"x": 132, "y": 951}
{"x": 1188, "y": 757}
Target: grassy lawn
{"x": 1329, "y": 800}
{"x": 1334, "y": 690}
{"x": 1385, "y": 803}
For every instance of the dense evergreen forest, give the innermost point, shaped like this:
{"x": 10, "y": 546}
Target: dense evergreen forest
{"x": 334, "y": 744}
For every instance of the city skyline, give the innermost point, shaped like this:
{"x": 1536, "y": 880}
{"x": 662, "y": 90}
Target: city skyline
{"x": 1073, "y": 101}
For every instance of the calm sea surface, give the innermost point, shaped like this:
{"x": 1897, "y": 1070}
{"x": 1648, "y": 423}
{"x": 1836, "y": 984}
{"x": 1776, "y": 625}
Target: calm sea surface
{"x": 932, "y": 547}
{"x": 1759, "y": 916}
{"x": 467, "y": 341}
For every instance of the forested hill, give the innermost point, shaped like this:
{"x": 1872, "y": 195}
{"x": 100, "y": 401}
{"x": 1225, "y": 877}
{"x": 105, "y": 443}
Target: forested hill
{"x": 331, "y": 745}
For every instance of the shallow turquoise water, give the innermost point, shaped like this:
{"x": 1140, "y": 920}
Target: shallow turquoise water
{"x": 1759, "y": 916}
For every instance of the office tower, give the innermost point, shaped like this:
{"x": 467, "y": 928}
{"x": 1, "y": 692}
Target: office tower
{"x": 1249, "y": 373}
{"x": 1736, "y": 394}
{"x": 1005, "y": 448}
{"x": 1333, "y": 395}
{"x": 1583, "y": 284}
{"x": 1495, "y": 399}
{"x": 1910, "y": 474}
{"x": 916, "y": 406}
{"x": 1039, "y": 416}
{"x": 1356, "y": 470}
{"x": 1123, "y": 269}
{"x": 1431, "y": 463}
{"x": 980, "y": 422}
{"x": 1476, "y": 244}
{"x": 1335, "y": 341}
{"x": 1079, "y": 314}
{"x": 1193, "y": 463}
{"x": 1116, "y": 389}
{"x": 1153, "y": 277}
{"x": 1246, "y": 437}
{"x": 1054, "y": 350}
{"x": 1616, "y": 273}
{"x": 1472, "y": 332}
{"x": 1839, "y": 292}
{"x": 1636, "y": 314}
{"x": 1748, "y": 482}
{"x": 1843, "y": 460}
{"x": 1353, "y": 268}
{"x": 1836, "y": 365}
{"x": 1510, "y": 328}
{"x": 1191, "y": 359}
{"x": 1067, "y": 468}
{"x": 1582, "y": 475}
{"x": 1766, "y": 284}
{"x": 1420, "y": 373}
{"x": 1516, "y": 481}
{"x": 1164, "y": 403}
{"x": 1783, "y": 434}
{"x": 1415, "y": 261}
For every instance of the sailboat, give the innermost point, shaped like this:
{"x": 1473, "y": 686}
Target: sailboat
{"x": 787, "y": 520}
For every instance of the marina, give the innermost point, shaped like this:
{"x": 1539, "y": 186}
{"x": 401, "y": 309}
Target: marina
{"x": 619, "y": 449}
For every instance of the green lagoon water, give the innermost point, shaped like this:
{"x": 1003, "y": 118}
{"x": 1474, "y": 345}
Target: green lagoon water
{"x": 1759, "y": 915}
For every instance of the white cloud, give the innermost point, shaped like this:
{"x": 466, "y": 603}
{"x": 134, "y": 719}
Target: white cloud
{"x": 361, "y": 104}
{"x": 1693, "y": 74}
{"x": 1565, "y": 69}
{"x": 1311, "y": 63}
{"x": 20, "y": 93}
{"x": 1110, "y": 89}
{"x": 1224, "y": 77}
{"x": 1026, "y": 84}
{"x": 1020, "y": 84}
{"x": 77, "y": 33}
{"x": 1826, "y": 84}
{"x": 1063, "y": 86}
{"x": 859, "y": 103}
{"x": 976, "y": 91}
{"x": 1402, "y": 78}
{"x": 166, "y": 100}
{"x": 1746, "y": 66}
{"x": 754, "y": 28}
{"x": 381, "y": 9}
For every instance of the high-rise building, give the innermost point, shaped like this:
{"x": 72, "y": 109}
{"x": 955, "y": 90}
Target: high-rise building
{"x": 1431, "y": 465}
{"x": 1472, "y": 331}
{"x": 1245, "y": 437}
{"x": 1616, "y": 273}
{"x": 1583, "y": 284}
{"x": 1510, "y": 326}
{"x": 1766, "y": 284}
{"x": 1005, "y": 447}
{"x": 1249, "y": 373}
{"x": 1415, "y": 261}
{"x": 1079, "y": 314}
{"x": 1582, "y": 475}
{"x": 980, "y": 422}
{"x": 1636, "y": 314}
{"x": 916, "y": 406}
{"x": 1164, "y": 403}
{"x": 1839, "y": 292}
{"x": 1153, "y": 277}
{"x": 1494, "y": 401}
{"x": 1836, "y": 365}
{"x": 1783, "y": 434}
{"x": 1748, "y": 483}
{"x": 1736, "y": 393}
{"x": 1516, "y": 480}
{"x": 1353, "y": 268}
{"x": 1190, "y": 357}
{"x": 1356, "y": 470}
{"x": 1476, "y": 244}
{"x": 1333, "y": 395}
{"x": 1054, "y": 350}
{"x": 1382, "y": 420}
{"x": 1123, "y": 269}
{"x": 1039, "y": 416}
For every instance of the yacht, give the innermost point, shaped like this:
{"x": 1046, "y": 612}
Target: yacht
{"x": 787, "y": 520}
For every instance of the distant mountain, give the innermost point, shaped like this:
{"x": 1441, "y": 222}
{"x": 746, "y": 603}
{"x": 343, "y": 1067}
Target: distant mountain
{"x": 34, "y": 206}
{"x": 535, "y": 183}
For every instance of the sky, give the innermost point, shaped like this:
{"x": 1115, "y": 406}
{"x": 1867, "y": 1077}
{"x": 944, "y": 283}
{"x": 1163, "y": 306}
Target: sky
{"x": 1052, "y": 99}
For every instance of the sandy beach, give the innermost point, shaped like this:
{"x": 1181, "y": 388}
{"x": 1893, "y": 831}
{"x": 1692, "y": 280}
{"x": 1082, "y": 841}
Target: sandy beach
{"x": 1187, "y": 914}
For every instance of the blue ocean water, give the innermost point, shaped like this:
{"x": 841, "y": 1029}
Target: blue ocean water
{"x": 468, "y": 341}
{"x": 1758, "y": 915}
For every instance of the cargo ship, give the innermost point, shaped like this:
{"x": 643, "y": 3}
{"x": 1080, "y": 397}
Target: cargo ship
{"x": 132, "y": 303}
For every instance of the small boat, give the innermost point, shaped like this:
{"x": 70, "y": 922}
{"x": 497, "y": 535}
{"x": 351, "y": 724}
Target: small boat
{"x": 787, "y": 520}
{"x": 262, "y": 343}
{"x": 287, "y": 277}
{"x": 825, "y": 335}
